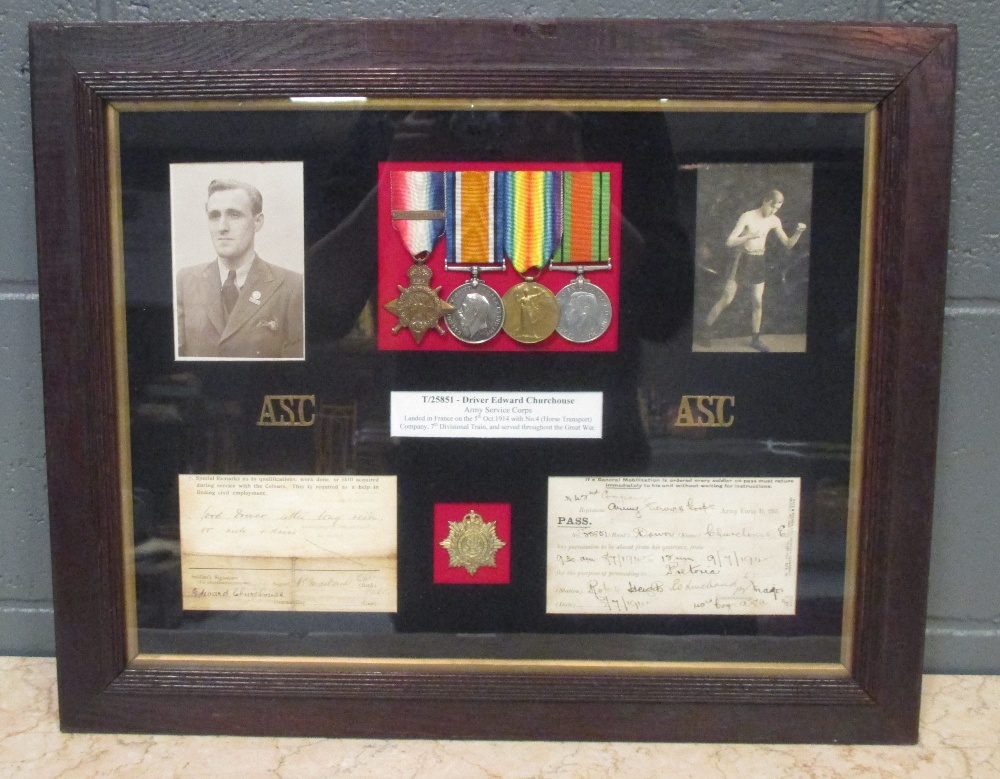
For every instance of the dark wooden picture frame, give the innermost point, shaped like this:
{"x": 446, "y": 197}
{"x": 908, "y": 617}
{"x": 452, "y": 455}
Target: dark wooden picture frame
{"x": 906, "y": 72}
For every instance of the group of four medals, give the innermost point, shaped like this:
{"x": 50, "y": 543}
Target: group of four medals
{"x": 532, "y": 219}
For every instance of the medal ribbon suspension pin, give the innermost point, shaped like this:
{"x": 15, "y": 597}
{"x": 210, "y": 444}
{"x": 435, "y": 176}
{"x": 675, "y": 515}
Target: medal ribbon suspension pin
{"x": 532, "y": 218}
{"x": 474, "y": 244}
{"x": 417, "y": 202}
{"x": 584, "y": 308}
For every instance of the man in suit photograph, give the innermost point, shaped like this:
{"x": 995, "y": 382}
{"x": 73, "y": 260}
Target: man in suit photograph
{"x": 237, "y": 305}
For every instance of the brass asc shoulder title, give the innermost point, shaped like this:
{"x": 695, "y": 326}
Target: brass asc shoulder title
{"x": 705, "y": 411}
{"x": 287, "y": 411}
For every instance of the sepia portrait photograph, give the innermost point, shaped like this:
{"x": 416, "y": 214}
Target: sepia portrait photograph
{"x": 752, "y": 257}
{"x": 237, "y": 244}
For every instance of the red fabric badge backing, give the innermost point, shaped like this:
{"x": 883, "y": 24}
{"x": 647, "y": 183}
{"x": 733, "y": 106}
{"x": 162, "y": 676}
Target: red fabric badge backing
{"x": 455, "y": 512}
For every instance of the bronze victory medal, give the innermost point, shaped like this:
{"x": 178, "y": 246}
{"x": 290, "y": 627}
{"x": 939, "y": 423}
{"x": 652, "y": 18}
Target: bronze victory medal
{"x": 472, "y": 543}
{"x": 418, "y": 307}
{"x": 531, "y": 312}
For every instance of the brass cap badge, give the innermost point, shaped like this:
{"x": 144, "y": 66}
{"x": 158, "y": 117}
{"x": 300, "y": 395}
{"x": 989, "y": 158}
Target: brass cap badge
{"x": 472, "y": 543}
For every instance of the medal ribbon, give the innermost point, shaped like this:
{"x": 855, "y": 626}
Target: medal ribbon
{"x": 533, "y": 212}
{"x": 417, "y": 203}
{"x": 587, "y": 219}
{"x": 470, "y": 198}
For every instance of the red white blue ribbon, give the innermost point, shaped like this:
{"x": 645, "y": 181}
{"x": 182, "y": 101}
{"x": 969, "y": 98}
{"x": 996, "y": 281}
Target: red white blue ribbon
{"x": 417, "y": 202}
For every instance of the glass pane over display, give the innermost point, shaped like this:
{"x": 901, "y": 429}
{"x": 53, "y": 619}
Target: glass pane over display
{"x": 493, "y": 383}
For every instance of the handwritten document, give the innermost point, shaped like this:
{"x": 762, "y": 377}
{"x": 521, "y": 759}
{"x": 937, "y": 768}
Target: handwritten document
{"x": 288, "y": 543}
{"x": 658, "y": 545}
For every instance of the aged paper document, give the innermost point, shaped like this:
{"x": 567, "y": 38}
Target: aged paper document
{"x": 658, "y": 545}
{"x": 288, "y": 543}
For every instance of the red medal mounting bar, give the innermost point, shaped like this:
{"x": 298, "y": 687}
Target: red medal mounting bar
{"x": 590, "y": 240}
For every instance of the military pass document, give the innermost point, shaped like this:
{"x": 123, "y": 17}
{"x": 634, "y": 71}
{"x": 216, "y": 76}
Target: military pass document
{"x": 661, "y": 545}
{"x": 288, "y": 543}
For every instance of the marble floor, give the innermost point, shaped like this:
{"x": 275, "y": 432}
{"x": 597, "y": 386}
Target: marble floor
{"x": 960, "y": 739}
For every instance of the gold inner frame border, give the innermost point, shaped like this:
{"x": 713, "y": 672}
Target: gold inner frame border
{"x": 138, "y": 659}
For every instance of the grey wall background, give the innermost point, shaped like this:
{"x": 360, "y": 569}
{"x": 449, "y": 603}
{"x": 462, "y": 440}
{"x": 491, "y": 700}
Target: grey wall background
{"x": 964, "y": 609}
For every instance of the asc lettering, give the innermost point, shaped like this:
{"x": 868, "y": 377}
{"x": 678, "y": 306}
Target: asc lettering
{"x": 288, "y": 411}
{"x": 705, "y": 411}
